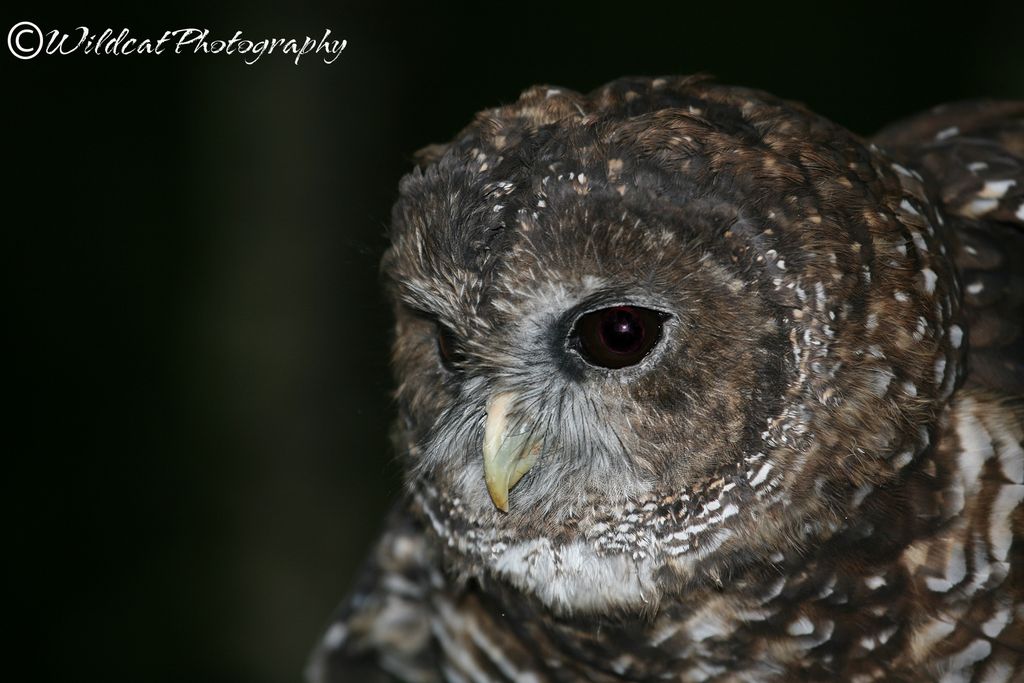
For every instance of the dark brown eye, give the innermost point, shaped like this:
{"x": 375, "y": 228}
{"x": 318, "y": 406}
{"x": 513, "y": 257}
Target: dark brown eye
{"x": 618, "y": 337}
{"x": 446, "y": 347}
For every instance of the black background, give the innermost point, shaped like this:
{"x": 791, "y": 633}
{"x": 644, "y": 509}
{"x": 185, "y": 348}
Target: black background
{"x": 198, "y": 381}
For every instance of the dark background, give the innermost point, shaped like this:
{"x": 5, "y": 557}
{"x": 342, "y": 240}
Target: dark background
{"x": 198, "y": 381}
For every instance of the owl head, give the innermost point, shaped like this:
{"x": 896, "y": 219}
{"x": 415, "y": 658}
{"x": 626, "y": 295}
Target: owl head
{"x": 646, "y": 335}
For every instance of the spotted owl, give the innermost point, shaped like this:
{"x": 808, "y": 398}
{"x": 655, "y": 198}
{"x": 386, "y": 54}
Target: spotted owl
{"x": 694, "y": 384}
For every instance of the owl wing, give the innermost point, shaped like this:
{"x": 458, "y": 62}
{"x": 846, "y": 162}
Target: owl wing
{"x": 971, "y": 155}
{"x": 382, "y": 631}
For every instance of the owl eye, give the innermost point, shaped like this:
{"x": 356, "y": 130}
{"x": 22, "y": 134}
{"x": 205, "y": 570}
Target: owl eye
{"x": 617, "y": 337}
{"x": 446, "y": 347}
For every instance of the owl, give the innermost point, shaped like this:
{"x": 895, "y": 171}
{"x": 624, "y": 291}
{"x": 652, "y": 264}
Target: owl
{"x": 694, "y": 384}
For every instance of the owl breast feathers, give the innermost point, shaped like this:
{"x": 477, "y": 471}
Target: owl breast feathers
{"x": 694, "y": 384}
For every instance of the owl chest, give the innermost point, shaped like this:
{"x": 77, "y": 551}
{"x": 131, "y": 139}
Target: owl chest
{"x": 483, "y": 637}
{"x": 818, "y": 624}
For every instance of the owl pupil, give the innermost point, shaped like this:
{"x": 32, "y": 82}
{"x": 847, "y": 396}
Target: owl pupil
{"x": 617, "y": 337}
{"x": 622, "y": 331}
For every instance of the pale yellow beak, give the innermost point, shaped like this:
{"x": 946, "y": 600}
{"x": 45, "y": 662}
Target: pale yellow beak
{"x": 507, "y": 457}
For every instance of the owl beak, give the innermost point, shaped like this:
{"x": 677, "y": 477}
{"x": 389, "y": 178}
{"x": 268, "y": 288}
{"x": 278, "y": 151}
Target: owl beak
{"x": 508, "y": 452}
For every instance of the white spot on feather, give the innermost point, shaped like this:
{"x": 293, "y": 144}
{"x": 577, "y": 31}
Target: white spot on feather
{"x": 874, "y": 582}
{"x": 902, "y": 460}
{"x": 920, "y": 329}
{"x": 335, "y": 636}
{"x": 858, "y": 497}
{"x": 901, "y": 170}
{"x": 940, "y": 369}
{"x": 801, "y": 627}
{"x": 994, "y": 626}
{"x": 885, "y": 634}
{"x": 929, "y": 280}
{"x": 880, "y": 383}
{"x": 919, "y": 242}
{"x": 762, "y": 474}
{"x": 975, "y": 446}
{"x": 996, "y": 189}
{"x": 1000, "y": 531}
{"x": 1011, "y": 456}
{"x": 703, "y": 625}
{"x": 975, "y": 652}
{"x": 955, "y": 571}
{"x": 956, "y": 335}
{"x": 977, "y": 208}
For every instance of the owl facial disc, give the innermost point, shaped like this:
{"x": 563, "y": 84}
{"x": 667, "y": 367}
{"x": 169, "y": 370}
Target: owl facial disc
{"x": 509, "y": 451}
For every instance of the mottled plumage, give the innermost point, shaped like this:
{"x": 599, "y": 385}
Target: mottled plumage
{"x": 807, "y": 467}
